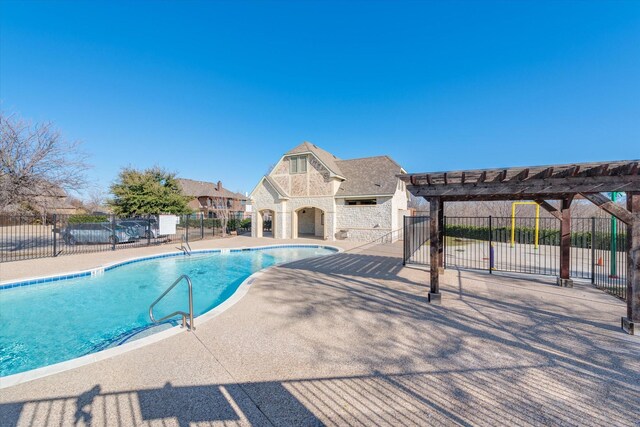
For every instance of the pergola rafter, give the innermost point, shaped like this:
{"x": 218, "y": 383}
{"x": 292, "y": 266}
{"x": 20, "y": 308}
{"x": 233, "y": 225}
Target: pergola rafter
{"x": 541, "y": 183}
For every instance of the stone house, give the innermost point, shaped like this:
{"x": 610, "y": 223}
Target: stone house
{"x": 209, "y": 199}
{"x": 312, "y": 193}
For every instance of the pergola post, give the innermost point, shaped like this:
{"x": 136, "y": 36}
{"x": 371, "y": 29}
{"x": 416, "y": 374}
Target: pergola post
{"x": 435, "y": 246}
{"x": 441, "y": 236}
{"x": 565, "y": 244}
{"x": 633, "y": 265}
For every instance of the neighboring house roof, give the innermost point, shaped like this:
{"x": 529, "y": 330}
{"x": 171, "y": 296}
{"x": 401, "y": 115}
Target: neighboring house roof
{"x": 45, "y": 198}
{"x": 329, "y": 160}
{"x": 193, "y": 188}
{"x": 369, "y": 176}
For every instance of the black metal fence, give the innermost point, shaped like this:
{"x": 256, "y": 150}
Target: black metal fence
{"x": 416, "y": 239}
{"x": 34, "y": 236}
{"x": 598, "y": 250}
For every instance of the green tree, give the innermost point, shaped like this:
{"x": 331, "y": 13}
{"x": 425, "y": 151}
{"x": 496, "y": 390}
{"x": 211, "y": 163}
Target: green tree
{"x": 152, "y": 191}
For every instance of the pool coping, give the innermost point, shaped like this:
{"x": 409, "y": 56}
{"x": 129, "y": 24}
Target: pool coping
{"x": 238, "y": 294}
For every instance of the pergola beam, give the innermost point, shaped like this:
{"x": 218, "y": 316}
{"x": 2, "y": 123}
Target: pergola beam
{"x": 527, "y": 188}
{"x": 549, "y": 208}
{"x": 610, "y": 207}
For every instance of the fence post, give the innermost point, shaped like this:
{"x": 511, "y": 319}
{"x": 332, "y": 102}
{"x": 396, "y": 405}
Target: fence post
{"x": 55, "y": 235}
{"x": 593, "y": 250}
{"x": 113, "y": 233}
{"x": 491, "y": 254}
{"x": 404, "y": 242}
{"x": 444, "y": 242}
{"x": 186, "y": 229}
{"x": 202, "y": 227}
{"x": 148, "y": 230}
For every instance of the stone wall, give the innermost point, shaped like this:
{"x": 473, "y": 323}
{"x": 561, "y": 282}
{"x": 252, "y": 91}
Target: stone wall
{"x": 306, "y": 221}
{"x": 265, "y": 197}
{"x": 367, "y": 222}
{"x": 316, "y": 181}
{"x": 325, "y": 204}
{"x": 319, "y": 222}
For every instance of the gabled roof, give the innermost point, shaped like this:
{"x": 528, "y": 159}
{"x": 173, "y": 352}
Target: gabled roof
{"x": 283, "y": 194}
{"x": 276, "y": 186}
{"x": 193, "y": 188}
{"x": 369, "y": 176}
{"x": 329, "y": 160}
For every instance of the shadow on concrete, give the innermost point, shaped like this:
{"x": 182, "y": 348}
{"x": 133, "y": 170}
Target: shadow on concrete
{"x": 438, "y": 397}
{"x": 504, "y": 353}
{"x": 572, "y": 336}
{"x": 361, "y": 265}
{"x": 187, "y": 405}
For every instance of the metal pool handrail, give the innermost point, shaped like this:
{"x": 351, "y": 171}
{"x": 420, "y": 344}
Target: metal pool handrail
{"x": 186, "y": 249}
{"x": 182, "y": 313}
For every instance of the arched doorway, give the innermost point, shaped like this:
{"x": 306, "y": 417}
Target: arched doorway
{"x": 308, "y": 222}
{"x": 266, "y": 224}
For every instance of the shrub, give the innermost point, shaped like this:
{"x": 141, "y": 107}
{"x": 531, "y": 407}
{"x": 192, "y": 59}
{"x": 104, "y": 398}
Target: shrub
{"x": 602, "y": 240}
{"x": 81, "y": 219}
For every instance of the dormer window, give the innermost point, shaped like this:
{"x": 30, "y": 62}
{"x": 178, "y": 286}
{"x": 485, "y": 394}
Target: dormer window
{"x": 297, "y": 164}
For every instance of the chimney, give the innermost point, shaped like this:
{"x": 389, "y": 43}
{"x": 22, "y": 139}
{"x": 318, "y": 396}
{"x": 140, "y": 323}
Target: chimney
{"x": 219, "y": 186}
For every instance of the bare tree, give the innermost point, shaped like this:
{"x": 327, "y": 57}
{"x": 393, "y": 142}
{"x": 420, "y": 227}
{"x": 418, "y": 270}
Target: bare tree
{"x": 222, "y": 211}
{"x": 36, "y": 161}
{"x": 419, "y": 204}
{"x": 96, "y": 200}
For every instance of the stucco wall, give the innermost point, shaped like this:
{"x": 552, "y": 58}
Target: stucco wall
{"x": 400, "y": 204}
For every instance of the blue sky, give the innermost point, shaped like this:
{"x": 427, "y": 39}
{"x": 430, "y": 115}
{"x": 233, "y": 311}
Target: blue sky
{"x": 219, "y": 90}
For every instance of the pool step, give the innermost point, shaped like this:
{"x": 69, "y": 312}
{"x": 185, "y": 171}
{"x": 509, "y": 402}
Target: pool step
{"x": 134, "y": 334}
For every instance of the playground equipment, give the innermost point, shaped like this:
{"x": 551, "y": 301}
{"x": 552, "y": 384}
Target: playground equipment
{"x": 513, "y": 222}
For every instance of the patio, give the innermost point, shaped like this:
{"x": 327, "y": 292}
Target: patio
{"x": 351, "y": 339}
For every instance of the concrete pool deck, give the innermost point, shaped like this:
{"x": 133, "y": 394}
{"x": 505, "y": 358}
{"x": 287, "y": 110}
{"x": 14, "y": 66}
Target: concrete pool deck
{"x": 350, "y": 339}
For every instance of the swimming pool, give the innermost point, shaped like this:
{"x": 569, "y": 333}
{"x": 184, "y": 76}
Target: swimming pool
{"x": 51, "y": 322}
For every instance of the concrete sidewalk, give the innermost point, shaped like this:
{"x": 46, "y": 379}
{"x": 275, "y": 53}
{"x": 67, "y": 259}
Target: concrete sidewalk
{"x": 350, "y": 339}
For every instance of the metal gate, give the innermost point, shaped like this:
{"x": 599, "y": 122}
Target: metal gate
{"x": 526, "y": 245}
{"x": 416, "y": 240}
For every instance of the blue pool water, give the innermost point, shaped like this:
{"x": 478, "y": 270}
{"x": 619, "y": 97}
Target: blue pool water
{"x": 52, "y": 322}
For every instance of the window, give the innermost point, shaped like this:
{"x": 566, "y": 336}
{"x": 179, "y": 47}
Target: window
{"x": 360, "y": 202}
{"x": 298, "y": 164}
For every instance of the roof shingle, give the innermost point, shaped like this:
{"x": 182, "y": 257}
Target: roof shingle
{"x": 369, "y": 176}
{"x": 193, "y": 188}
{"x": 329, "y": 160}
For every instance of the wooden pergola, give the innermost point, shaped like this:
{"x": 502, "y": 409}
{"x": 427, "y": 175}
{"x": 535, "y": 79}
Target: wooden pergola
{"x": 541, "y": 184}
